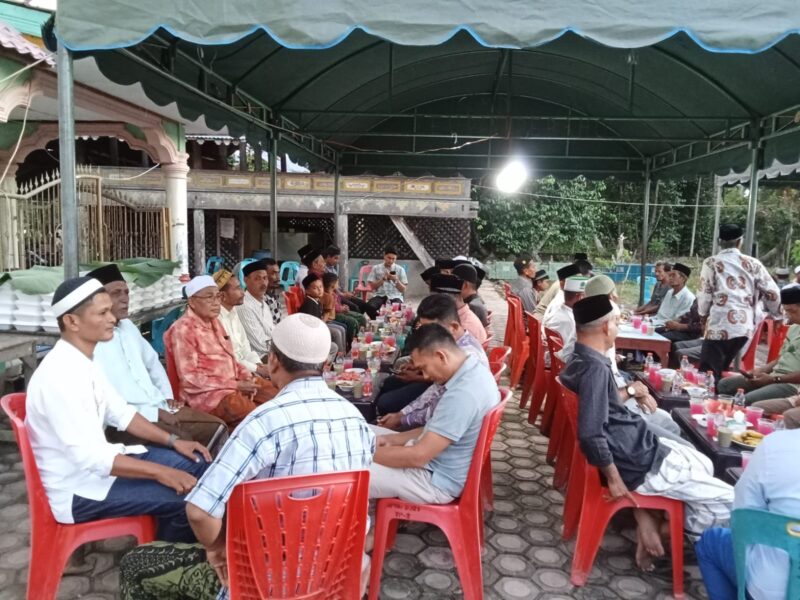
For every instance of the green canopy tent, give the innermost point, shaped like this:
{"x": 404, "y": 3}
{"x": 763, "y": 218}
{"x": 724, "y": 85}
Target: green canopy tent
{"x": 637, "y": 91}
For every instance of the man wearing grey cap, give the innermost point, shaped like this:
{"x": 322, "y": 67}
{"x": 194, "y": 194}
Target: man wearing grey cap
{"x": 307, "y": 428}
{"x": 731, "y": 286}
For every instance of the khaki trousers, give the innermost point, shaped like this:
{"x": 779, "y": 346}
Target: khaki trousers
{"x": 782, "y": 406}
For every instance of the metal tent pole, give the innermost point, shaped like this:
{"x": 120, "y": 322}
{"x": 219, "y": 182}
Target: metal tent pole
{"x": 273, "y": 192}
{"x": 645, "y": 232}
{"x": 66, "y": 157}
{"x": 340, "y": 227}
{"x": 752, "y": 206}
{"x": 717, "y": 212}
{"x": 696, "y": 210}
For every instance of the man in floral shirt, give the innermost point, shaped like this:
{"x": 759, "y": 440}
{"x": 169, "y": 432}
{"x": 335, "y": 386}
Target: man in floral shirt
{"x": 731, "y": 286}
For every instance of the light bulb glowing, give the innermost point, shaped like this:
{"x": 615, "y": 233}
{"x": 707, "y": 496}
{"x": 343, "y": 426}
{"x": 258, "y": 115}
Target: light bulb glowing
{"x": 511, "y": 177}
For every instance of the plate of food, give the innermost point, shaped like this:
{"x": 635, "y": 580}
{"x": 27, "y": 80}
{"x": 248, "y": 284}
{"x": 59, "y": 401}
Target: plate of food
{"x": 747, "y": 439}
{"x": 349, "y": 376}
{"x": 356, "y": 370}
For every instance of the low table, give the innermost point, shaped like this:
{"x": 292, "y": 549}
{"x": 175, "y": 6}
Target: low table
{"x": 667, "y": 401}
{"x": 366, "y": 405}
{"x": 722, "y": 458}
{"x": 733, "y": 474}
{"x": 633, "y": 339}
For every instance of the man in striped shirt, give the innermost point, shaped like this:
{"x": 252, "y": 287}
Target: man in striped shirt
{"x": 306, "y": 428}
{"x": 256, "y": 313}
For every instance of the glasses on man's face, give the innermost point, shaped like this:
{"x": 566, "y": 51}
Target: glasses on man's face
{"x": 210, "y": 298}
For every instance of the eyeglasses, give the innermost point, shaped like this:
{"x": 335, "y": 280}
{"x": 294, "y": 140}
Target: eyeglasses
{"x": 213, "y": 298}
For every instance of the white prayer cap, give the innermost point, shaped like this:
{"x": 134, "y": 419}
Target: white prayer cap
{"x": 303, "y": 338}
{"x": 575, "y": 284}
{"x": 71, "y": 293}
{"x": 797, "y": 270}
{"x": 198, "y": 283}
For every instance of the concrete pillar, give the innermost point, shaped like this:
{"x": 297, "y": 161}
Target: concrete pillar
{"x": 175, "y": 174}
{"x": 10, "y": 240}
{"x": 199, "y": 218}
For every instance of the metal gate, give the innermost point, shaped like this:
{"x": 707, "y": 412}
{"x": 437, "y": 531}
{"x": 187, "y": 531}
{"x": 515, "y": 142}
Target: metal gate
{"x": 109, "y": 226}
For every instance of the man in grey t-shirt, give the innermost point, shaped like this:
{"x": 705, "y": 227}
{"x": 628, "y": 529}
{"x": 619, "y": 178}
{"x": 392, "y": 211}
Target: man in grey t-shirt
{"x": 430, "y": 464}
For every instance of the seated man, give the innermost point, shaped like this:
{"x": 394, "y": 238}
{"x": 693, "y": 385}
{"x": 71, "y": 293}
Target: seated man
{"x": 331, "y": 255}
{"x": 678, "y": 300}
{"x": 312, "y": 305}
{"x": 763, "y": 486}
{"x": 133, "y": 369}
{"x": 689, "y": 326}
{"x": 554, "y": 296}
{"x": 441, "y": 309}
{"x": 426, "y": 276}
{"x": 541, "y": 282}
{"x": 782, "y": 277}
{"x": 433, "y": 468}
{"x": 620, "y": 444}
{"x": 387, "y": 280}
{"x": 659, "y": 291}
{"x": 469, "y": 291}
{"x": 274, "y": 294}
{"x": 212, "y": 380}
{"x": 307, "y": 428}
{"x": 781, "y": 377}
{"x": 334, "y": 309}
{"x": 231, "y": 295}
{"x": 561, "y": 319}
{"x": 255, "y": 312}
{"x": 451, "y": 285}
{"x": 522, "y": 286}
{"x": 70, "y": 403}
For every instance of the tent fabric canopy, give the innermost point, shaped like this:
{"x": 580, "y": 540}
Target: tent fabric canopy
{"x": 719, "y": 25}
{"x": 390, "y": 88}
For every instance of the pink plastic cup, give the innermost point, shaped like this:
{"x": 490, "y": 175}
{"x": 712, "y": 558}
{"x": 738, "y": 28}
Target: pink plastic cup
{"x": 696, "y": 406}
{"x": 746, "y": 455}
{"x": 766, "y": 426}
{"x": 711, "y": 426}
{"x": 636, "y": 322}
{"x": 753, "y": 414}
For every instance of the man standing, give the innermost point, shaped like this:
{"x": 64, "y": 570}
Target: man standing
{"x": 561, "y": 320}
{"x": 678, "y": 300}
{"x": 433, "y": 469}
{"x": 70, "y": 403}
{"x": 307, "y": 428}
{"x": 771, "y": 385}
{"x": 469, "y": 291}
{"x": 255, "y": 313}
{"x": 522, "y": 286}
{"x": 231, "y": 296}
{"x": 133, "y": 369}
{"x": 211, "y": 378}
{"x": 620, "y": 444}
{"x": 659, "y": 291}
{"x": 387, "y": 280}
{"x": 731, "y": 286}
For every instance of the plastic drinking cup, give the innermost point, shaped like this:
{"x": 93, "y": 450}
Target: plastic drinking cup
{"x": 636, "y": 322}
{"x": 753, "y": 414}
{"x": 696, "y": 405}
{"x": 766, "y": 426}
{"x": 711, "y": 426}
{"x": 746, "y": 455}
{"x": 348, "y": 362}
{"x": 724, "y": 437}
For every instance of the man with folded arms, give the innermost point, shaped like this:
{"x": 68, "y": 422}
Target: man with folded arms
{"x": 256, "y": 313}
{"x": 627, "y": 452}
{"x": 70, "y": 402}
{"x": 211, "y": 378}
{"x": 430, "y": 464}
{"x": 677, "y": 300}
{"x": 132, "y": 367}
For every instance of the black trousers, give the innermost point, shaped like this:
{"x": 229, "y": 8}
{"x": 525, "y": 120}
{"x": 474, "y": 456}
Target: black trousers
{"x": 377, "y": 301}
{"x": 716, "y": 355}
{"x": 396, "y": 394}
{"x": 359, "y": 306}
{"x": 677, "y": 336}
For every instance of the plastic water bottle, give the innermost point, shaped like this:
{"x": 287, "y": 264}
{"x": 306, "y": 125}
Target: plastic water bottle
{"x": 685, "y": 366}
{"x": 367, "y": 383}
{"x": 677, "y": 384}
{"x": 711, "y": 387}
{"x": 648, "y": 362}
{"x": 738, "y": 400}
{"x": 338, "y": 366}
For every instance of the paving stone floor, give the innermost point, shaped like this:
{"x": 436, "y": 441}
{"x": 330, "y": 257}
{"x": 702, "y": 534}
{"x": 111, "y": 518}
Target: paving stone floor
{"x": 524, "y": 558}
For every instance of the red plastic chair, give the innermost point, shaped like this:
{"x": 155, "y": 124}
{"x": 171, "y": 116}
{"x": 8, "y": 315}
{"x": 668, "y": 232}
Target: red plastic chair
{"x": 362, "y": 287}
{"x": 596, "y": 512}
{"x": 51, "y": 542}
{"x": 487, "y": 342}
{"x": 519, "y": 344}
{"x": 507, "y": 289}
{"x": 779, "y": 336}
{"x": 172, "y": 370}
{"x": 499, "y": 354}
{"x": 508, "y": 335}
{"x": 298, "y": 537}
{"x": 553, "y": 418}
{"x": 749, "y": 357}
{"x": 534, "y": 341}
{"x": 288, "y": 298}
{"x": 461, "y": 520}
{"x": 540, "y": 383}
{"x": 497, "y": 371}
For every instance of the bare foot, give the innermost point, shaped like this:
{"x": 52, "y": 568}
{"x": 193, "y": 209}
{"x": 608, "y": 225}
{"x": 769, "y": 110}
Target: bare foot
{"x": 648, "y": 538}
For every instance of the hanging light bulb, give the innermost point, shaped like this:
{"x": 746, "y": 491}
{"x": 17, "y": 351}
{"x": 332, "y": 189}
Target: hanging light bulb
{"x": 511, "y": 177}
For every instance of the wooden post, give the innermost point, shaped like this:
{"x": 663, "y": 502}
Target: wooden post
{"x": 411, "y": 238}
{"x": 243, "y": 155}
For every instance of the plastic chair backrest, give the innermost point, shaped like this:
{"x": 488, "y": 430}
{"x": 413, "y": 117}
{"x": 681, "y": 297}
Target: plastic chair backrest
{"x": 554, "y": 341}
{"x": 497, "y": 370}
{"x": 289, "y": 269}
{"x": 214, "y": 264}
{"x": 749, "y": 355}
{"x": 39, "y": 506}
{"x": 649, "y": 286}
{"x": 506, "y": 289}
{"x": 363, "y": 273}
{"x": 499, "y": 354}
{"x": 172, "y": 370}
{"x": 781, "y": 329}
{"x": 483, "y": 446}
{"x": 298, "y": 537}
{"x": 160, "y": 326}
{"x": 751, "y": 526}
{"x": 288, "y": 298}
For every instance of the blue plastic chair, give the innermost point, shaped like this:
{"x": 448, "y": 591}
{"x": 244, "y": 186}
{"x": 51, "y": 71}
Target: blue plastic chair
{"x": 214, "y": 264}
{"x": 289, "y": 269}
{"x": 159, "y": 326}
{"x": 244, "y": 262}
{"x": 751, "y": 526}
{"x": 649, "y": 286}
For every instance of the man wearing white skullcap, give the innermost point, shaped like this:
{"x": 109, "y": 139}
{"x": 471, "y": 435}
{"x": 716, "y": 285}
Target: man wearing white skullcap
{"x": 307, "y": 428}
{"x": 560, "y": 318}
{"x": 68, "y": 405}
{"x": 211, "y": 378}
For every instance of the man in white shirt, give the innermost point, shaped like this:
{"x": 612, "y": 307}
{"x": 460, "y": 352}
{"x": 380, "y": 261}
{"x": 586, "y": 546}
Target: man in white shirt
{"x": 70, "y": 402}
{"x": 255, "y": 313}
{"x": 766, "y": 485}
{"x": 387, "y": 280}
{"x": 561, "y": 319}
{"x": 132, "y": 367}
{"x": 231, "y": 296}
{"x": 677, "y": 301}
